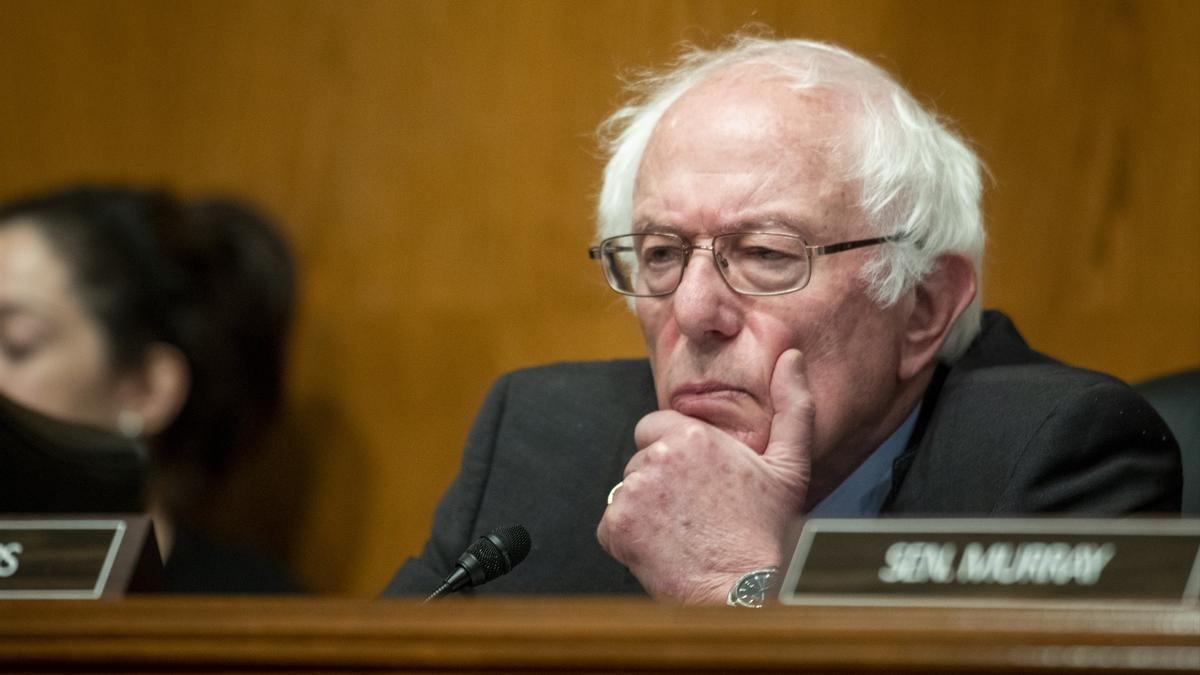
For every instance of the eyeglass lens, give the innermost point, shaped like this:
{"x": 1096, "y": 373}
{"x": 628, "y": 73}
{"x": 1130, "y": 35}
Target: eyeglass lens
{"x": 756, "y": 263}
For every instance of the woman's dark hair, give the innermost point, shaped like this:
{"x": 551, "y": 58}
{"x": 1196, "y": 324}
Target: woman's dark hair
{"x": 212, "y": 277}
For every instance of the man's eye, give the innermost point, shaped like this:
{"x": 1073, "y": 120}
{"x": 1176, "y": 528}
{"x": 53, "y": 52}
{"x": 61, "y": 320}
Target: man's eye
{"x": 660, "y": 255}
{"x": 764, "y": 254}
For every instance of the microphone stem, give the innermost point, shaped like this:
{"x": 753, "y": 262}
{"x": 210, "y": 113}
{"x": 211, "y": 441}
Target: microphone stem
{"x": 442, "y": 590}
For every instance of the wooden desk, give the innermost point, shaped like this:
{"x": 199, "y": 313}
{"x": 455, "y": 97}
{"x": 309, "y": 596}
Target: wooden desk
{"x": 149, "y": 634}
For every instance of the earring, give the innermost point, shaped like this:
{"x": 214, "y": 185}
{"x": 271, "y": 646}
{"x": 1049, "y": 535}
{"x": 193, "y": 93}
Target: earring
{"x": 130, "y": 424}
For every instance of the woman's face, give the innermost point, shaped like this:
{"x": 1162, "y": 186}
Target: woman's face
{"x": 53, "y": 356}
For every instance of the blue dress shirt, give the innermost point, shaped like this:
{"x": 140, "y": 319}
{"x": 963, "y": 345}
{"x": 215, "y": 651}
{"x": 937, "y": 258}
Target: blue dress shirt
{"x": 862, "y": 494}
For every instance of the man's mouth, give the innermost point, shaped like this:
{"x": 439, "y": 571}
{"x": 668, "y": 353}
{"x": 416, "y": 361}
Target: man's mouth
{"x": 705, "y": 399}
{"x": 726, "y": 406}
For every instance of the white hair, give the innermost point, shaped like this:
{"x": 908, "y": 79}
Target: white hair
{"x": 916, "y": 177}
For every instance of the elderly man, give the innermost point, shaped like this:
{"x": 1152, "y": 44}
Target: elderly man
{"x": 801, "y": 244}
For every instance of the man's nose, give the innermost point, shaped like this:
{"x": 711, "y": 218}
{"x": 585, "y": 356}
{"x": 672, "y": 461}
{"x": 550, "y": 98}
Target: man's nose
{"x": 704, "y": 305}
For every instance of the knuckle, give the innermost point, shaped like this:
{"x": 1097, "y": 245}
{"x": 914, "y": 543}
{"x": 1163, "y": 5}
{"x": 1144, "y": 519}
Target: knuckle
{"x": 692, "y": 433}
{"x": 622, "y": 523}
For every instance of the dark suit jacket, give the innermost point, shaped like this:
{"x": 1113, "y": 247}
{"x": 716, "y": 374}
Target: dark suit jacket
{"x": 1004, "y": 431}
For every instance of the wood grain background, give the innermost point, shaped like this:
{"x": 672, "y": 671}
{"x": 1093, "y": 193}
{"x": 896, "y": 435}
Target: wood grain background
{"x": 434, "y": 166}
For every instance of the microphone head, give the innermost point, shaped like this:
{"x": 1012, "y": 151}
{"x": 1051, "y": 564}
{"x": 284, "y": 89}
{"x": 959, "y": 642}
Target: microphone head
{"x": 496, "y": 553}
{"x": 514, "y": 541}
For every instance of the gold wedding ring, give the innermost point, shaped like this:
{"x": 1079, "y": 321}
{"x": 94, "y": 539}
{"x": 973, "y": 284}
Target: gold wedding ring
{"x": 613, "y": 492}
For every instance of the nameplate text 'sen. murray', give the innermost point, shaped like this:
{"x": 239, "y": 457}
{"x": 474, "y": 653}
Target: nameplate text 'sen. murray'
{"x": 984, "y": 561}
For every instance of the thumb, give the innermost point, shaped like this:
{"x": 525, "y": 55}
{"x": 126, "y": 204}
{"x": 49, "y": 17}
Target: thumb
{"x": 790, "y": 445}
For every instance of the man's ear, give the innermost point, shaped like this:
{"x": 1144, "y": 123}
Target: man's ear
{"x": 156, "y": 391}
{"x": 938, "y": 301}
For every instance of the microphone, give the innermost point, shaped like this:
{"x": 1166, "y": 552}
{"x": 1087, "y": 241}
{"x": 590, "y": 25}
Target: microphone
{"x": 493, "y": 555}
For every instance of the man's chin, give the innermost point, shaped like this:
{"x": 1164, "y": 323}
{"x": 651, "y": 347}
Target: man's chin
{"x": 729, "y": 416}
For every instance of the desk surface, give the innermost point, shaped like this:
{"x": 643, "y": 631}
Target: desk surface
{"x": 149, "y": 634}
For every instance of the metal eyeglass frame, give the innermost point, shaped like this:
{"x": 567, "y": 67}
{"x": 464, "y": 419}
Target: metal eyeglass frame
{"x": 596, "y": 253}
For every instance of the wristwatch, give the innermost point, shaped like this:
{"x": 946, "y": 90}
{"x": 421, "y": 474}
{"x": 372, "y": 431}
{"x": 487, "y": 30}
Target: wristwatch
{"x": 751, "y": 590}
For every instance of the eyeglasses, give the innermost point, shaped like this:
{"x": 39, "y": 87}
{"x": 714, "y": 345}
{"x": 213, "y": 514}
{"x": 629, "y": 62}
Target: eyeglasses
{"x": 751, "y": 263}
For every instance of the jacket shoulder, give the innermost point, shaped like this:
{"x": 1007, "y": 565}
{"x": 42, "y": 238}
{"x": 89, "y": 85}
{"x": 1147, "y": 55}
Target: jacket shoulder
{"x": 1009, "y": 430}
{"x": 581, "y": 389}
{"x": 616, "y": 373}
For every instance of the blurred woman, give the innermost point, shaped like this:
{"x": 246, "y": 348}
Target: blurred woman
{"x": 158, "y": 319}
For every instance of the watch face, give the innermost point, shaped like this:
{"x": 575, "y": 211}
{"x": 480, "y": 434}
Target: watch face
{"x": 751, "y": 590}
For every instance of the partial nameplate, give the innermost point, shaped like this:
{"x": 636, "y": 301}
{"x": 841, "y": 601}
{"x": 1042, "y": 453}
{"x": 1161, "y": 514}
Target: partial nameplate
{"x": 971, "y": 562}
{"x": 72, "y": 557}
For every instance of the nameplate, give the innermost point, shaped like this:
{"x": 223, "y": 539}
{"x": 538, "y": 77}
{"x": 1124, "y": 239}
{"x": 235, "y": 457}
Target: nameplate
{"x": 76, "y": 557}
{"x": 965, "y": 562}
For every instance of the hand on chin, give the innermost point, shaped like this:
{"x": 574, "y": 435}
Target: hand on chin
{"x": 699, "y": 507}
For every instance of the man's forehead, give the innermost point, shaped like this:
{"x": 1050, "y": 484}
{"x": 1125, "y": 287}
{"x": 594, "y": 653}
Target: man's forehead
{"x": 771, "y": 147}
{"x": 751, "y": 108}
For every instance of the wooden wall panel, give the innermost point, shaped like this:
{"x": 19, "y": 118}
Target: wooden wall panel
{"x": 433, "y": 165}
